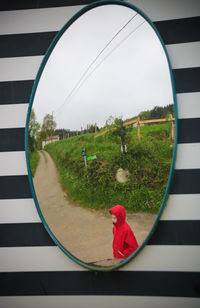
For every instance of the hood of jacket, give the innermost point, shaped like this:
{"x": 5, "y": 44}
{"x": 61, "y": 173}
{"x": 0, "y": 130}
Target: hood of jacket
{"x": 120, "y": 212}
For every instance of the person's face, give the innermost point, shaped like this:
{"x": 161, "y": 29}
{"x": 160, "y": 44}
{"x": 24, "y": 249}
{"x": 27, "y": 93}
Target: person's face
{"x": 114, "y": 219}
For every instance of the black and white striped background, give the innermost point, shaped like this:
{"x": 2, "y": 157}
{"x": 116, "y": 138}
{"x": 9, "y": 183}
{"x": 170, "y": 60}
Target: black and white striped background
{"x": 33, "y": 271}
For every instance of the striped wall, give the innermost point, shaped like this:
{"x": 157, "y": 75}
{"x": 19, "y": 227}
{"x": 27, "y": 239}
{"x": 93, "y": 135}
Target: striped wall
{"x": 33, "y": 270}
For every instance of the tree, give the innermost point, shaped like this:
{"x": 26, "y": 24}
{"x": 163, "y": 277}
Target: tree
{"x": 157, "y": 113}
{"x": 62, "y": 132}
{"x": 91, "y": 128}
{"x": 34, "y": 128}
{"x": 48, "y": 126}
{"x": 145, "y": 115}
{"x": 119, "y": 130}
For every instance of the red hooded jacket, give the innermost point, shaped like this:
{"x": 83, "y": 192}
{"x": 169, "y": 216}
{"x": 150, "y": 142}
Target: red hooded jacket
{"x": 124, "y": 241}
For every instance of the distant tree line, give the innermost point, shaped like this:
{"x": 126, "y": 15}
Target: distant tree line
{"x": 65, "y": 133}
{"x": 61, "y": 132}
{"x": 158, "y": 112}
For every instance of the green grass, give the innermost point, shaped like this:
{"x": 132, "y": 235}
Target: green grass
{"x": 148, "y": 161}
{"x": 33, "y": 159}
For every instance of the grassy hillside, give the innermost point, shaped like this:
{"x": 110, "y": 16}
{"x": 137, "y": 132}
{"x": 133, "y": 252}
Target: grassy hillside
{"x": 148, "y": 161}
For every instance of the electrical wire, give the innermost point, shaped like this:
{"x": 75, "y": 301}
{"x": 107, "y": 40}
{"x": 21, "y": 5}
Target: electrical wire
{"x": 83, "y": 75}
{"x": 121, "y": 42}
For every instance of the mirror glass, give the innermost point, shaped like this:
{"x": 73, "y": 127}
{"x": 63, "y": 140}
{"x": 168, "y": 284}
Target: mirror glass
{"x": 101, "y": 134}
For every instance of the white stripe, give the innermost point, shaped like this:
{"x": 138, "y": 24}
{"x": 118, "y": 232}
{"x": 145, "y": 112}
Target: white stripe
{"x": 53, "y": 19}
{"x": 13, "y": 163}
{"x": 20, "y": 68}
{"x": 184, "y": 55}
{"x": 13, "y": 116}
{"x": 118, "y": 301}
{"x": 26, "y": 68}
{"x": 40, "y": 20}
{"x": 188, "y": 156}
{"x": 18, "y": 211}
{"x": 188, "y": 105}
{"x": 182, "y": 207}
{"x": 178, "y": 207}
{"x": 35, "y": 259}
{"x": 166, "y": 258}
{"x": 151, "y": 258}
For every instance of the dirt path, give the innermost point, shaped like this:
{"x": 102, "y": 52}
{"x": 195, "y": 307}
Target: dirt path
{"x": 86, "y": 233}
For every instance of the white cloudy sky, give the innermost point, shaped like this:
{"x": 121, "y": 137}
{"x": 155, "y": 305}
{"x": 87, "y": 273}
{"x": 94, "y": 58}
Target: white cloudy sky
{"x": 109, "y": 62}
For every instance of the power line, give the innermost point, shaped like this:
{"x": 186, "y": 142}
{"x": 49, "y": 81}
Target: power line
{"x": 83, "y": 75}
{"x": 121, "y": 42}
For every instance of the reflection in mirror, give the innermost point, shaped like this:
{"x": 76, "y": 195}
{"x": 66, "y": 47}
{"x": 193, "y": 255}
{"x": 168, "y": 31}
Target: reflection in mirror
{"x": 101, "y": 133}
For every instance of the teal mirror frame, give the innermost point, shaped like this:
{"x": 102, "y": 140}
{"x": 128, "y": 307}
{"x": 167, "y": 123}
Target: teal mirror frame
{"x": 36, "y": 82}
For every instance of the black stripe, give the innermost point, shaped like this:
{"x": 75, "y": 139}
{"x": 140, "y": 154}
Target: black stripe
{"x": 34, "y": 44}
{"x": 179, "y": 30}
{"x": 36, "y": 4}
{"x": 186, "y": 181}
{"x": 166, "y": 233}
{"x": 24, "y": 234}
{"x": 15, "y": 92}
{"x": 116, "y": 283}
{"x": 19, "y": 45}
{"x": 179, "y": 232}
{"x": 12, "y": 139}
{"x": 14, "y": 187}
{"x": 187, "y": 79}
{"x": 189, "y": 130}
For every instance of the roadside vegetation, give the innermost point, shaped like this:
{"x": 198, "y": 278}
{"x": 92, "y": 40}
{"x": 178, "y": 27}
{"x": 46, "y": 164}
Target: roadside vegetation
{"x": 147, "y": 160}
{"x": 33, "y": 159}
{"x": 36, "y": 134}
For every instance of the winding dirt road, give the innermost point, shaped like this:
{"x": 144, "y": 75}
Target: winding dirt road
{"x": 86, "y": 233}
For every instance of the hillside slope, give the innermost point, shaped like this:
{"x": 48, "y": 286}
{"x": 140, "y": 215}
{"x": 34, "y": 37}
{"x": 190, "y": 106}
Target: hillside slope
{"x": 147, "y": 160}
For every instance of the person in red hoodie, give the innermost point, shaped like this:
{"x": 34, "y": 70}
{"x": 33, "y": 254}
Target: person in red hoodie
{"x": 124, "y": 241}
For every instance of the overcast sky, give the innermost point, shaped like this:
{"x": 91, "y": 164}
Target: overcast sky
{"x": 109, "y": 62}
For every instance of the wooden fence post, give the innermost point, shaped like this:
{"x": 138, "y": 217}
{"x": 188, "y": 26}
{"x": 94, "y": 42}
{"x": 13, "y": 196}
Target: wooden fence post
{"x": 171, "y": 128}
{"x": 138, "y": 127}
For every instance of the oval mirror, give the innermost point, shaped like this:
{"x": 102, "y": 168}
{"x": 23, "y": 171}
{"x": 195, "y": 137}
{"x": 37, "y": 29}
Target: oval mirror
{"x": 100, "y": 134}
